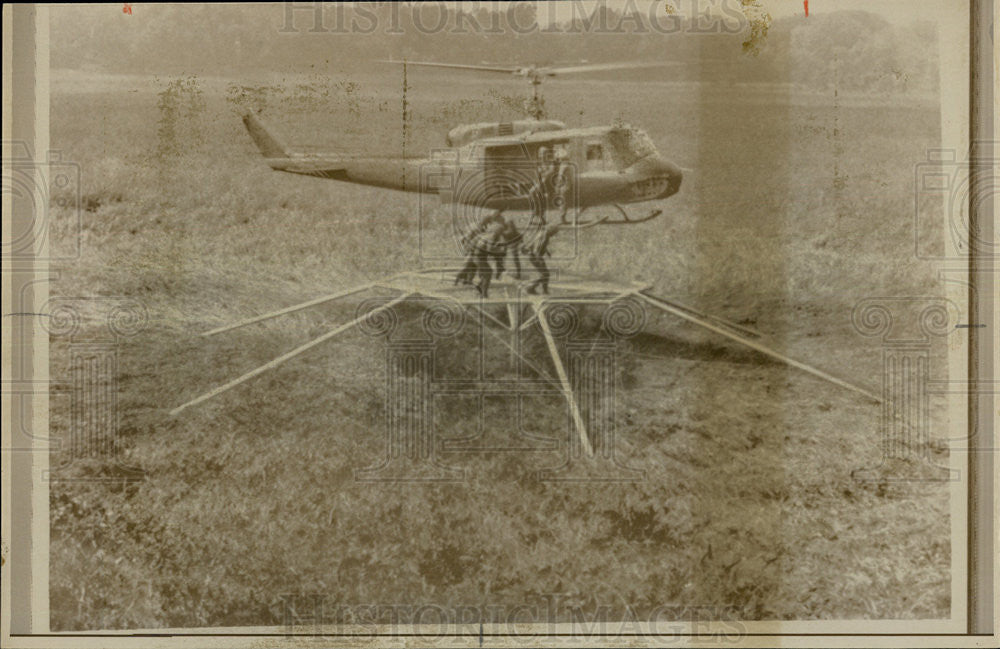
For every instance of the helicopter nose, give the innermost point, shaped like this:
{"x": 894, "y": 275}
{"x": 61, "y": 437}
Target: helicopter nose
{"x": 673, "y": 172}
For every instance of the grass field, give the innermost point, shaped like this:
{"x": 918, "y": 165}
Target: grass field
{"x": 794, "y": 208}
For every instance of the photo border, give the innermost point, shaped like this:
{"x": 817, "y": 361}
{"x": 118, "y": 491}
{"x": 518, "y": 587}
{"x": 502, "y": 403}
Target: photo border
{"x": 26, "y": 119}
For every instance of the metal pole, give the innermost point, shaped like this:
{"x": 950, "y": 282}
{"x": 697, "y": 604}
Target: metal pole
{"x": 722, "y": 321}
{"x": 291, "y": 309}
{"x": 513, "y": 318}
{"x": 285, "y": 357}
{"x": 581, "y": 428}
{"x": 757, "y": 346}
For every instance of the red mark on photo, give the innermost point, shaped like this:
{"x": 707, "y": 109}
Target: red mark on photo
{"x": 127, "y": 9}
{"x": 805, "y": 3}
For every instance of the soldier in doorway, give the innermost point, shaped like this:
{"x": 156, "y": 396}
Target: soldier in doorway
{"x": 551, "y": 184}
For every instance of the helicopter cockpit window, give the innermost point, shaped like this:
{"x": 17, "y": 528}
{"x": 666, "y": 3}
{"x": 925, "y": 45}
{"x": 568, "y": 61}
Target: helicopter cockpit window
{"x": 631, "y": 144}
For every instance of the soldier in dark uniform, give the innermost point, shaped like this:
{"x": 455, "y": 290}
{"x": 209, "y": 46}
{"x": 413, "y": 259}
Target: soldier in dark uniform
{"x": 560, "y": 183}
{"x": 510, "y": 241}
{"x": 539, "y": 192}
{"x": 488, "y": 244}
{"x": 552, "y": 184}
{"x": 537, "y": 249}
{"x": 468, "y": 272}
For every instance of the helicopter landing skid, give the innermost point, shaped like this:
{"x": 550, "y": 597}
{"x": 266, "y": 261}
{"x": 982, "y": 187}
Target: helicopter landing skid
{"x": 437, "y": 284}
{"x": 607, "y": 220}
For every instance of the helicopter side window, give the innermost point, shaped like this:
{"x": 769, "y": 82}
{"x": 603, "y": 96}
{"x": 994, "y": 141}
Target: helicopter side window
{"x": 595, "y": 157}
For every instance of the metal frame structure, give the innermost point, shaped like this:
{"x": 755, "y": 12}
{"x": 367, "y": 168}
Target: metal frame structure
{"x": 436, "y": 284}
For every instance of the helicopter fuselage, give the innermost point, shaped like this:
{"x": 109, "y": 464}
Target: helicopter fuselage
{"x": 596, "y": 166}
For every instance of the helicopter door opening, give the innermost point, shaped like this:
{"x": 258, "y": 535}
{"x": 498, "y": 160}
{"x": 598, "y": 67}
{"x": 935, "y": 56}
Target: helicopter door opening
{"x": 507, "y": 171}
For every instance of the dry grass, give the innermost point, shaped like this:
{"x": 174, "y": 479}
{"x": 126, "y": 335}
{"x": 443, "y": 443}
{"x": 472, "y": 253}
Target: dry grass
{"x": 748, "y": 501}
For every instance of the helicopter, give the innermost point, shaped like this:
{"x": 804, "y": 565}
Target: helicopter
{"x": 493, "y": 165}
{"x": 496, "y": 165}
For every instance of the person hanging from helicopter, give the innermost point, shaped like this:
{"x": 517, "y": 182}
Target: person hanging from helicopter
{"x": 536, "y": 246}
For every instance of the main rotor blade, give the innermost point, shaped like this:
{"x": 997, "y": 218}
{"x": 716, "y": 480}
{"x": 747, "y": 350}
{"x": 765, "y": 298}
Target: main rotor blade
{"x": 458, "y": 66}
{"x": 545, "y": 71}
{"x": 573, "y": 69}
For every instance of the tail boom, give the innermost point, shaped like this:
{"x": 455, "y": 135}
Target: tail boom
{"x": 270, "y": 146}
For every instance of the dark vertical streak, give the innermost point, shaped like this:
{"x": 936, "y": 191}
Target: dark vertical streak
{"x": 980, "y": 407}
